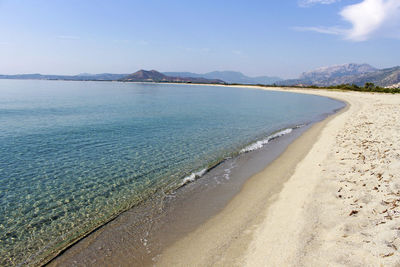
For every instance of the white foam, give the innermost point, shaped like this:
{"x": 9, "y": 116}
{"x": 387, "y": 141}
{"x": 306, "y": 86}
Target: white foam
{"x": 193, "y": 176}
{"x": 261, "y": 143}
{"x": 257, "y": 145}
{"x": 279, "y": 134}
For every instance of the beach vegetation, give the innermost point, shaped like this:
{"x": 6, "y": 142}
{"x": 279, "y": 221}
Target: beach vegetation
{"x": 368, "y": 87}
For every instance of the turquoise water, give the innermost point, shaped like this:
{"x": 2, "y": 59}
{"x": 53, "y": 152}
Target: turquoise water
{"x": 75, "y": 154}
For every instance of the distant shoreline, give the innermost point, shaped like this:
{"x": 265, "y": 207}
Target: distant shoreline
{"x": 341, "y": 87}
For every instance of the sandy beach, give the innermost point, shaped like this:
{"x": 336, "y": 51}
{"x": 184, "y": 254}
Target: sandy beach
{"x": 331, "y": 199}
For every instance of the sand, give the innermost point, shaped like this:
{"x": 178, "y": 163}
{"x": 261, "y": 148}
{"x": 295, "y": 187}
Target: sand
{"x": 331, "y": 199}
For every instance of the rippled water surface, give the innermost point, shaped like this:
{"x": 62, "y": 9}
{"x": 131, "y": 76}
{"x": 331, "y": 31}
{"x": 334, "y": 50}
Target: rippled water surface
{"x": 75, "y": 154}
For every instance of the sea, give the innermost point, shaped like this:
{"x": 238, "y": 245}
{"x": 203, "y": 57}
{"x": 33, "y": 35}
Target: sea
{"x": 76, "y": 154}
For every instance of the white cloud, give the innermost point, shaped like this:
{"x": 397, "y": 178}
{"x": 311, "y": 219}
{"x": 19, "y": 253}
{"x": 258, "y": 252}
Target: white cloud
{"x": 306, "y": 3}
{"x": 370, "y": 18}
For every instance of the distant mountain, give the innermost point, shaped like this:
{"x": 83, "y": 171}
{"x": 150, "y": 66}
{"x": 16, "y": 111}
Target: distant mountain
{"x": 358, "y": 74}
{"x": 146, "y": 76}
{"x": 337, "y": 71}
{"x": 228, "y": 76}
{"x": 155, "y": 76}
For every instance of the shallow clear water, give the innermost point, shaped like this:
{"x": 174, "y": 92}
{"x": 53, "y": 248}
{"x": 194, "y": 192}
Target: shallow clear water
{"x": 75, "y": 154}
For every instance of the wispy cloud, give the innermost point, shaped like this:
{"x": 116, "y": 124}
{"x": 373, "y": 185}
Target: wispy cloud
{"x": 368, "y": 19}
{"x": 307, "y": 3}
{"x": 68, "y": 37}
{"x": 325, "y": 30}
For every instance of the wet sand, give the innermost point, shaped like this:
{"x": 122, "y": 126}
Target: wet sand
{"x": 137, "y": 236}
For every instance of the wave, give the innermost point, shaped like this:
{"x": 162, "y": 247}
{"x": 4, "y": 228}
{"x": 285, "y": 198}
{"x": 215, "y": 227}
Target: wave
{"x": 261, "y": 143}
{"x": 254, "y": 146}
{"x": 192, "y": 177}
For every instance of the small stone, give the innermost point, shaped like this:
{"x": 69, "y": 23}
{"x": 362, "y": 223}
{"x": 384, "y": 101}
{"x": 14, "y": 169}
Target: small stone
{"x": 353, "y": 212}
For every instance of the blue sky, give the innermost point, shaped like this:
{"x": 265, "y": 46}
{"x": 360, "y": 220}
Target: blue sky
{"x": 276, "y": 37}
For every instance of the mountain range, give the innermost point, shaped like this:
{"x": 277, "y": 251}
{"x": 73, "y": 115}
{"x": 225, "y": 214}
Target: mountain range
{"x": 139, "y": 76}
{"x": 352, "y": 73}
{"x": 228, "y": 77}
{"x": 153, "y": 76}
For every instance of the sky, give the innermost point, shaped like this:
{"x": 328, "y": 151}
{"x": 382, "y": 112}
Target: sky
{"x": 257, "y": 37}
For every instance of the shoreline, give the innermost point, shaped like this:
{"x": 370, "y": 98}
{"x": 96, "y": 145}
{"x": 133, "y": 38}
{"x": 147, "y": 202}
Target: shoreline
{"x": 327, "y": 209}
{"x": 73, "y": 250}
{"x": 222, "y": 239}
{"x": 186, "y": 181}
{"x": 173, "y": 216}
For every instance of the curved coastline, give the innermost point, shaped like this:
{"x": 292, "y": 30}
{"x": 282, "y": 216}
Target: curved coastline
{"x": 255, "y": 145}
{"x": 340, "y": 206}
{"x": 56, "y": 262}
{"x": 335, "y": 204}
{"x": 95, "y": 212}
{"x": 223, "y": 239}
